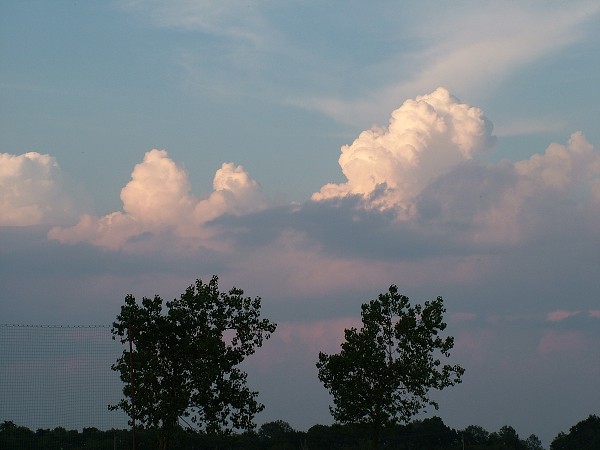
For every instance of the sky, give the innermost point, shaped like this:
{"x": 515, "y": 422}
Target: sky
{"x": 313, "y": 154}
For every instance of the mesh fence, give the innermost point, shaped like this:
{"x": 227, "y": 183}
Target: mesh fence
{"x": 54, "y": 376}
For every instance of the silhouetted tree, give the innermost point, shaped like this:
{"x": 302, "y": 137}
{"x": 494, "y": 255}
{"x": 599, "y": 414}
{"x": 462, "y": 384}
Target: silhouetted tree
{"x": 510, "y": 438}
{"x": 15, "y": 437}
{"x": 385, "y": 370}
{"x": 338, "y": 437}
{"x": 275, "y": 429}
{"x": 279, "y": 435}
{"x": 432, "y": 434}
{"x": 186, "y": 359}
{"x": 474, "y": 435}
{"x": 585, "y": 435}
{"x": 533, "y": 443}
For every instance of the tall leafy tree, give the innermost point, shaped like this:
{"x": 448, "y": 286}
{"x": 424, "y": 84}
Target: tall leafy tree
{"x": 584, "y": 435}
{"x": 533, "y": 443}
{"x": 475, "y": 435}
{"x": 385, "y": 370}
{"x": 186, "y": 359}
{"x": 509, "y": 438}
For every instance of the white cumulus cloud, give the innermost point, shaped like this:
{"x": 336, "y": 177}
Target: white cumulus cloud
{"x": 426, "y": 137}
{"x": 510, "y": 203}
{"x": 158, "y": 194}
{"x": 234, "y": 192}
{"x": 549, "y": 190}
{"x": 33, "y": 191}
{"x": 158, "y": 201}
{"x": 562, "y": 167}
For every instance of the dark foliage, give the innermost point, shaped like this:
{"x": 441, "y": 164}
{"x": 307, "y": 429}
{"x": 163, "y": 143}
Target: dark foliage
{"x": 186, "y": 360}
{"x": 384, "y": 371}
{"x": 430, "y": 434}
{"x": 585, "y": 435}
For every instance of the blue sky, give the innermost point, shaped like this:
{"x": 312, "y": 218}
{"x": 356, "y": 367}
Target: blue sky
{"x": 313, "y": 154}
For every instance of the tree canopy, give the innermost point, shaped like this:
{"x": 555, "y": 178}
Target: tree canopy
{"x": 185, "y": 359}
{"x": 584, "y": 435}
{"x": 385, "y": 370}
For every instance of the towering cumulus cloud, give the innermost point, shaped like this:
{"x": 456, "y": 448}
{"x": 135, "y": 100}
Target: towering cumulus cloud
{"x": 425, "y": 138}
{"x": 33, "y": 191}
{"x": 157, "y": 200}
{"x": 158, "y": 194}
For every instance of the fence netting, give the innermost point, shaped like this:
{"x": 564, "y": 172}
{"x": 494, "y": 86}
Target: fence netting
{"x": 59, "y": 376}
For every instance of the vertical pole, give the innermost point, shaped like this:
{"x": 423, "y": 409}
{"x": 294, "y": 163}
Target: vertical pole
{"x": 131, "y": 384}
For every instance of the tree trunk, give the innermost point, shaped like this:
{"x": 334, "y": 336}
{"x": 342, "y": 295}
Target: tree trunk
{"x": 375, "y": 435}
{"x": 163, "y": 438}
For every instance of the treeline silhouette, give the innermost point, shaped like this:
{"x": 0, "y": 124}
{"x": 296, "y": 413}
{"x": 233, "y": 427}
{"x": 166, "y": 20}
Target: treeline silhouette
{"x": 430, "y": 434}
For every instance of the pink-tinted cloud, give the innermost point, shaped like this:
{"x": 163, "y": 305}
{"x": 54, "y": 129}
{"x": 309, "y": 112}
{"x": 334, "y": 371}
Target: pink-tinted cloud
{"x": 158, "y": 194}
{"x": 453, "y": 210}
{"x": 594, "y": 313}
{"x": 561, "y": 167}
{"x": 420, "y": 170}
{"x": 560, "y": 315}
{"x": 295, "y": 262}
{"x": 34, "y": 190}
{"x": 302, "y": 341}
{"x": 509, "y": 204}
{"x": 322, "y": 335}
{"x": 562, "y": 342}
{"x": 425, "y": 138}
{"x": 235, "y": 192}
{"x": 157, "y": 201}
{"x": 473, "y": 346}
{"x": 458, "y": 317}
